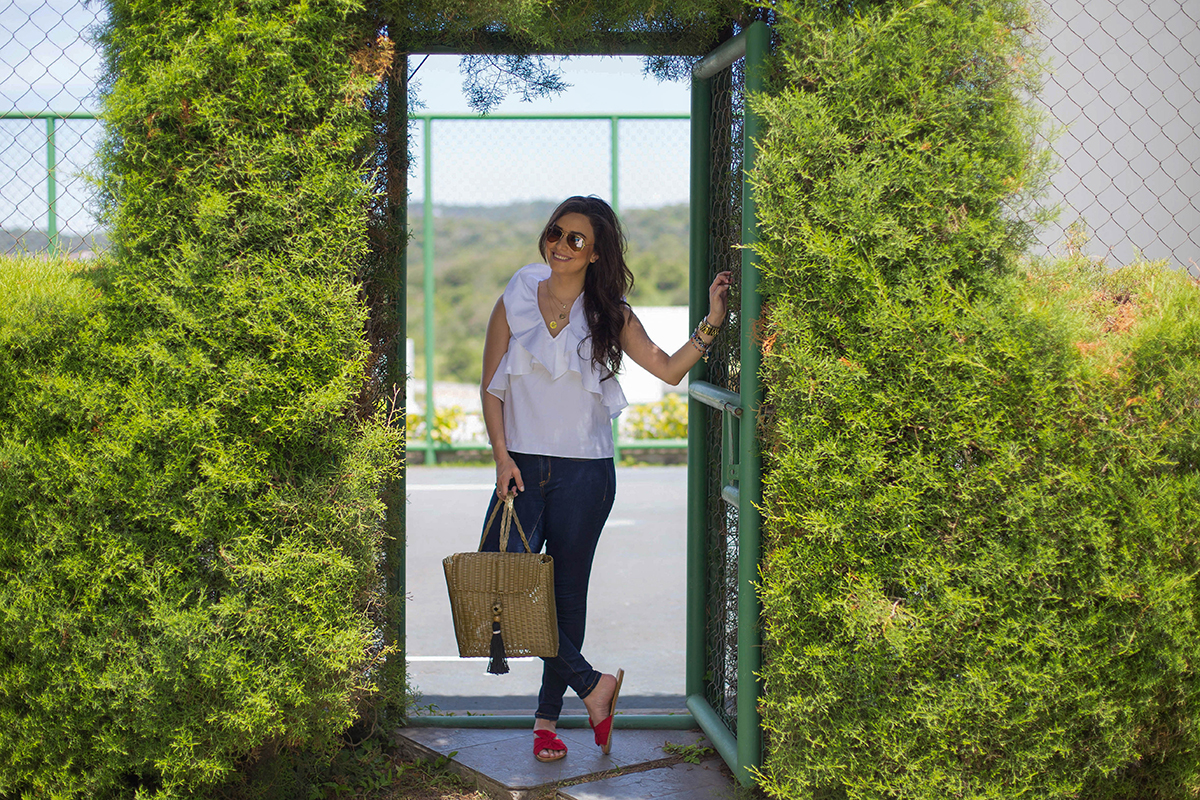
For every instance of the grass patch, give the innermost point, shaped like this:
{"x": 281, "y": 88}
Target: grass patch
{"x": 368, "y": 772}
{"x": 37, "y": 287}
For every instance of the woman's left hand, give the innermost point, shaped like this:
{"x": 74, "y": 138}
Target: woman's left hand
{"x": 718, "y": 298}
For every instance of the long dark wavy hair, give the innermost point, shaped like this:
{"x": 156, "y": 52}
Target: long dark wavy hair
{"x": 607, "y": 281}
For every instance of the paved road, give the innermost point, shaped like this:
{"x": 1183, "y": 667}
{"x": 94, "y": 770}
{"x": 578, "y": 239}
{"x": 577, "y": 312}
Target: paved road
{"x": 636, "y": 599}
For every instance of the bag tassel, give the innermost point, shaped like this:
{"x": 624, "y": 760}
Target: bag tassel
{"x": 497, "y": 664}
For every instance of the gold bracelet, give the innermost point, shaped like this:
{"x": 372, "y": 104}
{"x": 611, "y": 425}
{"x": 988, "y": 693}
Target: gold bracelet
{"x": 707, "y": 327}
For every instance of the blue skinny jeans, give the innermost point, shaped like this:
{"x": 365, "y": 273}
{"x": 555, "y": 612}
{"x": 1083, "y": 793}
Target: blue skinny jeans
{"x": 564, "y": 507}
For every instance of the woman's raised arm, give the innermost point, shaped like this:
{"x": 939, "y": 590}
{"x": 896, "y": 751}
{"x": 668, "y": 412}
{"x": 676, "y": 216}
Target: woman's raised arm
{"x": 636, "y": 343}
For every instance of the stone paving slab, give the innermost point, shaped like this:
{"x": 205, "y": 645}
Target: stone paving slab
{"x": 501, "y": 762}
{"x": 708, "y": 780}
{"x": 523, "y": 705}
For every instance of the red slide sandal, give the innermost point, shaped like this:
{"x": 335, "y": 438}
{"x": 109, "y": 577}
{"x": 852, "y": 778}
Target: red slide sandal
{"x": 548, "y": 740}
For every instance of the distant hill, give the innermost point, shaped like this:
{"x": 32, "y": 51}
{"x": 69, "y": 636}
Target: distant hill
{"x": 514, "y": 212}
{"x": 36, "y": 241}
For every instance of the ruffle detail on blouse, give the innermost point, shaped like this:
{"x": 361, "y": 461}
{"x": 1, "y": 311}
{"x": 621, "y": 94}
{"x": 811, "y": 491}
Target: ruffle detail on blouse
{"x": 532, "y": 343}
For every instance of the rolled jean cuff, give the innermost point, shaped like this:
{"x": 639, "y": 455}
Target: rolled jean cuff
{"x": 587, "y": 690}
{"x": 595, "y": 682}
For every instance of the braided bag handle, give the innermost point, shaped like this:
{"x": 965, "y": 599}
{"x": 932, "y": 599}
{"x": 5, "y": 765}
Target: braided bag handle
{"x": 506, "y": 521}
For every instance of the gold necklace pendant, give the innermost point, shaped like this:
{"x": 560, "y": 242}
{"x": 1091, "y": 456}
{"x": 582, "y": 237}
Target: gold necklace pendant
{"x": 562, "y": 314}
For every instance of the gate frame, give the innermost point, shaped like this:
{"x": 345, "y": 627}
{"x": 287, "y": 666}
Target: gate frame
{"x": 741, "y": 750}
{"x": 741, "y": 471}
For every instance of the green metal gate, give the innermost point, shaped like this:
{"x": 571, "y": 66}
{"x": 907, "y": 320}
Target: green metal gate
{"x": 724, "y": 481}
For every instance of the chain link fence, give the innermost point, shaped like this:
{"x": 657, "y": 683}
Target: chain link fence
{"x": 49, "y": 69}
{"x": 505, "y": 159}
{"x": 721, "y": 529}
{"x": 1121, "y": 85}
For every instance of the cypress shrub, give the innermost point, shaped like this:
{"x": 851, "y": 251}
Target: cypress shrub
{"x": 980, "y": 472}
{"x": 191, "y": 516}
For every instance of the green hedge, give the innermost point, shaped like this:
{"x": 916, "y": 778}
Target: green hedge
{"x": 981, "y": 474}
{"x": 190, "y": 505}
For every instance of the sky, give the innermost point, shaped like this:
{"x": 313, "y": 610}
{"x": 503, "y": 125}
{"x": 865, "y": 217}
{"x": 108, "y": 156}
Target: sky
{"x": 598, "y": 85}
{"x": 492, "y": 161}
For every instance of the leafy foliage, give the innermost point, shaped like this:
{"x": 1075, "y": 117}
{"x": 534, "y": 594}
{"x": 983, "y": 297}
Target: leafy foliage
{"x": 573, "y": 26}
{"x": 980, "y": 476}
{"x": 693, "y": 753}
{"x": 446, "y": 421}
{"x": 506, "y": 41}
{"x": 488, "y": 79}
{"x": 663, "y": 419}
{"x": 190, "y": 506}
{"x": 363, "y": 770}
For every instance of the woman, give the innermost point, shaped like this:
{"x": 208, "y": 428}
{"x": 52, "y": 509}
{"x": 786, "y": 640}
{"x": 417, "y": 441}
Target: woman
{"x": 554, "y": 344}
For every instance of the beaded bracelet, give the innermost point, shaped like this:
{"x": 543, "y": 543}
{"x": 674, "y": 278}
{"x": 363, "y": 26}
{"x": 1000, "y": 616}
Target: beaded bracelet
{"x": 699, "y": 344}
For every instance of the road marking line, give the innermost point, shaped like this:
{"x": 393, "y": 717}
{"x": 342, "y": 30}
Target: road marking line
{"x": 457, "y": 658}
{"x": 450, "y": 487}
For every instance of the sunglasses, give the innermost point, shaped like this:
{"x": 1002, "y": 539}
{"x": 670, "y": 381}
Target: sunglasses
{"x": 575, "y": 241}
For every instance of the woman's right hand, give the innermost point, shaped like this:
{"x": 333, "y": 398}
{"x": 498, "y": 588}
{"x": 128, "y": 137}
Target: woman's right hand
{"x": 507, "y": 473}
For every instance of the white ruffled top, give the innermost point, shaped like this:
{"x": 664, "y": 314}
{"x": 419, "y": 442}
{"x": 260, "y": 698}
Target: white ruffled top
{"x": 555, "y": 403}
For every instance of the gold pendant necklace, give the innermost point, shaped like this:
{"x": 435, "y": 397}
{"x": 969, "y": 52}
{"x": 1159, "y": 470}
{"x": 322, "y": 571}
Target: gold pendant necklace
{"x": 562, "y": 314}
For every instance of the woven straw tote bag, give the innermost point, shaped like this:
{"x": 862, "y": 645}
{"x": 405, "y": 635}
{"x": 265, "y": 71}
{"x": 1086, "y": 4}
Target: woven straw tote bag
{"x": 503, "y": 603}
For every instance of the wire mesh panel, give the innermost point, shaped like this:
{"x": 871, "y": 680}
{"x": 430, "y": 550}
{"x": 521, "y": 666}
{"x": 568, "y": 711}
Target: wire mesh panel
{"x": 47, "y": 202}
{"x": 47, "y": 56}
{"x": 496, "y": 161}
{"x": 653, "y": 163}
{"x": 49, "y": 68}
{"x": 506, "y": 160}
{"x": 725, "y": 217}
{"x": 1123, "y": 83}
